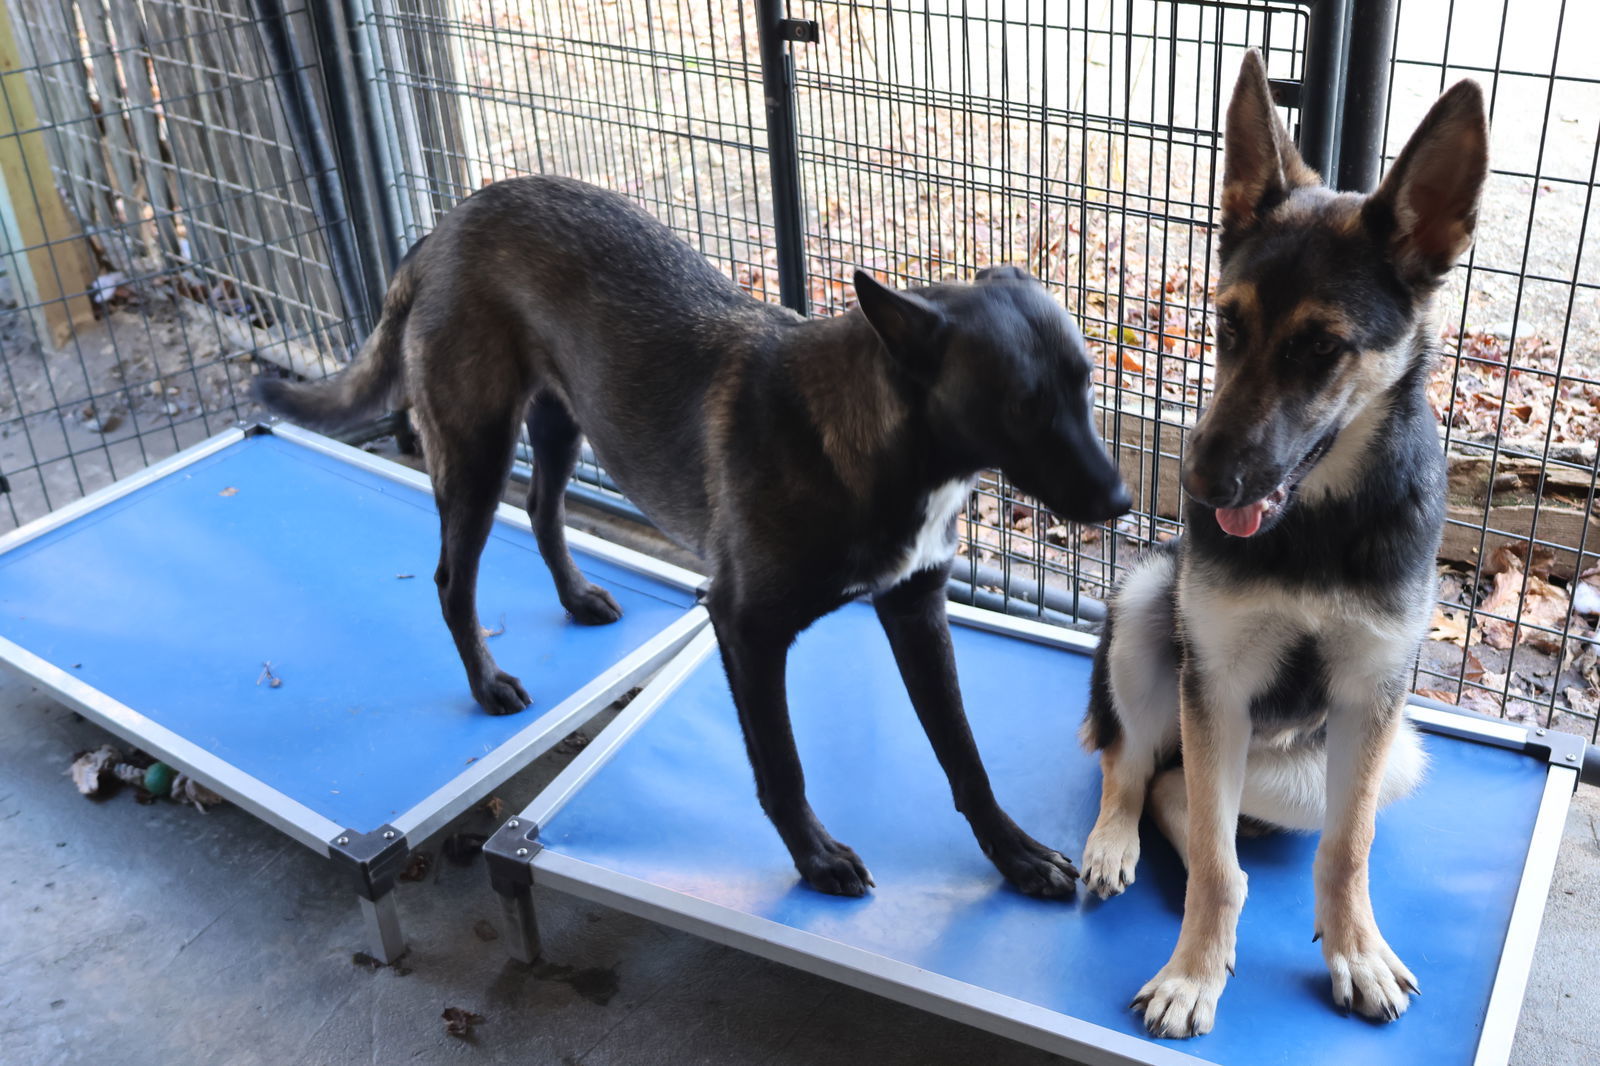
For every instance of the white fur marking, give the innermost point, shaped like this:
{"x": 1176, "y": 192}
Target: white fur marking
{"x": 933, "y": 543}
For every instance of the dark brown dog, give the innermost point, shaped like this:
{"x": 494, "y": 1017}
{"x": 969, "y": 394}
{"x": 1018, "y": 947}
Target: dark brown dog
{"x": 808, "y": 461}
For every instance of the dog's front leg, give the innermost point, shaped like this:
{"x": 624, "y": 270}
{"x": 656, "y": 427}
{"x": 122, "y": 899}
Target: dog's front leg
{"x": 1367, "y": 975}
{"x": 913, "y": 616}
{"x": 755, "y": 656}
{"x": 1181, "y": 1000}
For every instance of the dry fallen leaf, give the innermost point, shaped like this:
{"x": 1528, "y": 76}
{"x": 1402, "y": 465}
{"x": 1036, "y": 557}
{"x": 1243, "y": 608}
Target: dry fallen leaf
{"x": 88, "y": 769}
{"x": 229, "y": 491}
{"x": 1437, "y": 694}
{"x": 417, "y": 869}
{"x": 1448, "y": 628}
{"x": 1528, "y": 599}
{"x": 459, "y": 1022}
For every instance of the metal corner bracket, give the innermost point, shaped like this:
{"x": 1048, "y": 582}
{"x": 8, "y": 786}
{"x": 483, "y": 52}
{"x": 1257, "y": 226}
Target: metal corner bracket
{"x": 507, "y": 854}
{"x": 372, "y": 860}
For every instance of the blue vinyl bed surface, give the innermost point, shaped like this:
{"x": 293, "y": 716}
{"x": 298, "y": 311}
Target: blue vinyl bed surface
{"x": 172, "y": 597}
{"x": 676, "y": 808}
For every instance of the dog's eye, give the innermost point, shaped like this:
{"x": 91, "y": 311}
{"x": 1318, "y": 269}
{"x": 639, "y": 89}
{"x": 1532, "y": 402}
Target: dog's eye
{"x": 1227, "y": 327}
{"x": 1326, "y": 346}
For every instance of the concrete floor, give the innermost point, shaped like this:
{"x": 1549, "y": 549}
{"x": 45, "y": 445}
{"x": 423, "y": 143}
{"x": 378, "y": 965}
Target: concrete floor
{"x": 154, "y": 934}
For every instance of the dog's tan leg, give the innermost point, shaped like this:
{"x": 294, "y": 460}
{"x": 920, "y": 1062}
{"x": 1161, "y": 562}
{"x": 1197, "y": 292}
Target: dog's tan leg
{"x": 1367, "y": 975}
{"x": 1181, "y": 999}
{"x": 1112, "y": 850}
{"x": 1169, "y": 806}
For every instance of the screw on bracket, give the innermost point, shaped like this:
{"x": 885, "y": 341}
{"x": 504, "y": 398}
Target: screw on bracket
{"x": 1285, "y": 93}
{"x": 801, "y": 31}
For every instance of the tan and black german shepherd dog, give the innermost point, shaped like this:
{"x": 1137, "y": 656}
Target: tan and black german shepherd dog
{"x": 1257, "y": 667}
{"x": 808, "y": 461}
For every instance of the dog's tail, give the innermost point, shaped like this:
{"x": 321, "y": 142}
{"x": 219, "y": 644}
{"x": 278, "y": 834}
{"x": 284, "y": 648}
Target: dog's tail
{"x": 369, "y": 384}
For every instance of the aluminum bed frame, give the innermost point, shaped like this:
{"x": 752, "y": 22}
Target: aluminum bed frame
{"x": 151, "y": 606}
{"x": 1460, "y": 870}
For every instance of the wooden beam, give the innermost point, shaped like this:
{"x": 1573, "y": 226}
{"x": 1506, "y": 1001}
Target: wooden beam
{"x": 56, "y": 273}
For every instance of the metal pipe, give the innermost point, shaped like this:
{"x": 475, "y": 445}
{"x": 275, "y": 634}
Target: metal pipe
{"x": 1321, "y": 84}
{"x": 338, "y": 77}
{"x": 1366, "y": 92}
{"x": 310, "y": 140}
{"x": 777, "y": 80}
{"x": 961, "y": 592}
{"x": 357, "y": 15}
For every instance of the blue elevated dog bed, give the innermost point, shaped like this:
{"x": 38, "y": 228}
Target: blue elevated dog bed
{"x": 658, "y": 817}
{"x": 154, "y": 605}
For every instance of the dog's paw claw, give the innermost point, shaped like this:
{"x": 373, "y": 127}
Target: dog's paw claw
{"x": 1178, "y": 1005}
{"x": 836, "y": 869}
{"x": 1034, "y": 869}
{"x": 592, "y": 606}
{"x": 1109, "y": 860}
{"x": 1372, "y": 981}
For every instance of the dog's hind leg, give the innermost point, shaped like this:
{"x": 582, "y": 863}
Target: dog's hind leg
{"x": 1282, "y": 789}
{"x": 1367, "y": 974}
{"x": 555, "y": 439}
{"x": 913, "y": 615}
{"x": 755, "y": 654}
{"x": 469, "y": 464}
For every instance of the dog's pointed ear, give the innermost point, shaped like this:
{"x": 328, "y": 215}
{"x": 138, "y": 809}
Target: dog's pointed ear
{"x": 1260, "y": 163}
{"x": 1427, "y": 205}
{"x": 908, "y": 325}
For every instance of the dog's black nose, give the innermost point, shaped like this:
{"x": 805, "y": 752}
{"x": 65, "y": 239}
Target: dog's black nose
{"x": 1222, "y": 491}
{"x": 1119, "y": 503}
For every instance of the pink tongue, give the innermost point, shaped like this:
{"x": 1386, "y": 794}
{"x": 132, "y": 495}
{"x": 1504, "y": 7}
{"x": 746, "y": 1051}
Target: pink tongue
{"x": 1241, "y": 521}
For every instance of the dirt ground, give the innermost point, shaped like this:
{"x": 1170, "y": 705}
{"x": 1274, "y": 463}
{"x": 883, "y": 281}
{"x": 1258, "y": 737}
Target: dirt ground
{"x": 143, "y": 381}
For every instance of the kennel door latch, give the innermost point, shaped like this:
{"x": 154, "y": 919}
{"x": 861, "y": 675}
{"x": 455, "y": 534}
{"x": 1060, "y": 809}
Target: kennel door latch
{"x": 801, "y": 31}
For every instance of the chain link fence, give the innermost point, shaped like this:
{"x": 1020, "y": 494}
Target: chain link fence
{"x": 214, "y": 188}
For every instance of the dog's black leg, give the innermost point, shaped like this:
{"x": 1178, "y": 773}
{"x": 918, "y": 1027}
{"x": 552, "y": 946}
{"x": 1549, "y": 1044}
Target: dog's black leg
{"x": 467, "y": 482}
{"x": 554, "y": 436}
{"x": 755, "y": 656}
{"x": 913, "y": 615}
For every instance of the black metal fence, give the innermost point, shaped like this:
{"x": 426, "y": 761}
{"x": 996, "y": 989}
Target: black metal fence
{"x": 162, "y": 235}
{"x": 258, "y": 170}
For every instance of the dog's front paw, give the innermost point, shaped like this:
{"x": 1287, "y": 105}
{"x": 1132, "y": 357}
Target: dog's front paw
{"x": 1178, "y": 1004}
{"x": 503, "y": 694}
{"x": 592, "y": 606}
{"x": 1032, "y": 868}
{"x": 1369, "y": 977}
{"x": 1109, "y": 858}
{"x": 834, "y": 868}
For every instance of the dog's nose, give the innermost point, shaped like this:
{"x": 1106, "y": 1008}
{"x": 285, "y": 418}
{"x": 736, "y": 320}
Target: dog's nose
{"x": 1220, "y": 491}
{"x": 1120, "y": 502}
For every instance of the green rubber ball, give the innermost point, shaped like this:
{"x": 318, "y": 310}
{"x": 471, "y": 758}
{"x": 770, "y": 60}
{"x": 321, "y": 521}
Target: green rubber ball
{"x": 158, "y": 779}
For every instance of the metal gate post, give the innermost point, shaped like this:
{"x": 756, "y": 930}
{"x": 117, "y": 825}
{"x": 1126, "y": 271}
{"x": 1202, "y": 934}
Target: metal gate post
{"x": 1322, "y": 85}
{"x": 1366, "y": 92}
{"x": 775, "y": 30}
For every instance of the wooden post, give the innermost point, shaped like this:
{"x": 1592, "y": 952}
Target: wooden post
{"x": 56, "y": 273}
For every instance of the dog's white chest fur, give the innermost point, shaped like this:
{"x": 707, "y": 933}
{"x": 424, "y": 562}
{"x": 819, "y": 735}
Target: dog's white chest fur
{"x": 934, "y": 540}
